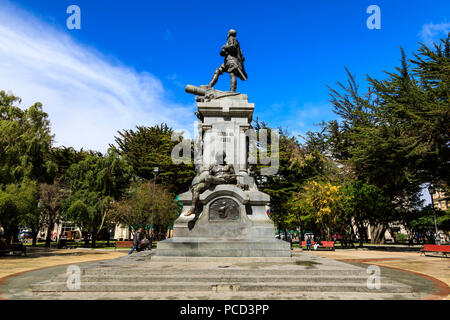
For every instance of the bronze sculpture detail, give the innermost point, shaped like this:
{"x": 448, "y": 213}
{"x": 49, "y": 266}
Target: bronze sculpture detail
{"x": 218, "y": 173}
{"x": 233, "y": 62}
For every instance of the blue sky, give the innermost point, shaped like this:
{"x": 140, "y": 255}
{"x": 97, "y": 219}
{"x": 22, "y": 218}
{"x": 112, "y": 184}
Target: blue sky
{"x": 130, "y": 61}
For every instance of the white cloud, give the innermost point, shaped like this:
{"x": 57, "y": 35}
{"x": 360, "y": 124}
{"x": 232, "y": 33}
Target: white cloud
{"x": 431, "y": 32}
{"x": 87, "y": 96}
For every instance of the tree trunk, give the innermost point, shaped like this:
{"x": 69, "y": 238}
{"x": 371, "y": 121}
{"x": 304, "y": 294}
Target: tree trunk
{"x": 392, "y": 233}
{"x": 94, "y": 238}
{"x": 299, "y": 233}
{"x": 352, "y": 233}
{"x": 344, "y": 238}
{"x": 86, "y": 239}
{"x": 377, "y": 234}
{"x": 362, "y": 234}
{"x": 34, "y": 234}
{"x": 48, "y": 238}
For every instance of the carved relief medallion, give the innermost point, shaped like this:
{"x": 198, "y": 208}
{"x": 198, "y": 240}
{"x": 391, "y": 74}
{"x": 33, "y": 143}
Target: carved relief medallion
{"x": 224, "y": 209}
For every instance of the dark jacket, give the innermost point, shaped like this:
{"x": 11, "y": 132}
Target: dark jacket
{"x": 137, "y": 237}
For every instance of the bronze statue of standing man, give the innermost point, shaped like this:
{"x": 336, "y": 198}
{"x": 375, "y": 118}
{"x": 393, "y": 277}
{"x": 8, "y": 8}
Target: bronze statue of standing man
{"x": 233, "y": 62}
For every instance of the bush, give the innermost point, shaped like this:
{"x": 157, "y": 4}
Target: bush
{"x": 401, "y": 237}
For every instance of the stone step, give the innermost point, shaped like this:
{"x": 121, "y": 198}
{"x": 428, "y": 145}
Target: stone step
{"x": 225, "y": 245}
{"x": 220, "y": 272}
{"x": 193, "y": 259}
{"x": 230, "y": 296}
{"x": 210, "y": 247}
{"x": 219, "y": 287}
{"x": 222, "y": 279}
{"x": 216, "y": 252}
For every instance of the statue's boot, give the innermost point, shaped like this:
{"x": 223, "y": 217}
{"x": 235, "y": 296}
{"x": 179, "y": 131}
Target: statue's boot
{"x": 233, "y": 83}
{"x": 214, "y": 79}
{"x": 191, "y": 211}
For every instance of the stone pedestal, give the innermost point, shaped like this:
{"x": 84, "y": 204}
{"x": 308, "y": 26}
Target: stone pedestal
{"x": 224, "y": 126}
{"x": 241, "y": 230}
{"x": 233, "y": 221}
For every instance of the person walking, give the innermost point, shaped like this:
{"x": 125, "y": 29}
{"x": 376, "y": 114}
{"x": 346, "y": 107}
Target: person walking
{"x": 289, "y": 239}
{"x": 308, "y": 243}
{"x": 137, "y": 237}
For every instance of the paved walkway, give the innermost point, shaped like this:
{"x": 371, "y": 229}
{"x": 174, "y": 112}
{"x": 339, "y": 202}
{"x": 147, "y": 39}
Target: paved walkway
{"x": 141, "y": 276}
{"x": 10, "y": 265}
{"x": 435, "y": 267}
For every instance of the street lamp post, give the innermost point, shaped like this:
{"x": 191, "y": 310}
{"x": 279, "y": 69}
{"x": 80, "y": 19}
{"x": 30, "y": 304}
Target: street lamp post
{"x": 155, "y": 172}
{"x": 431, "y": 190}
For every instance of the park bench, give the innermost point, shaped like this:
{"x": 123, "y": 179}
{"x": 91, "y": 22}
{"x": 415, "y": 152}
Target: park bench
{"x": 328, "y": 245}
{"x": 124, "y": 244}
{"x": 444, "y": 249}
{"x": 12, "y": 248}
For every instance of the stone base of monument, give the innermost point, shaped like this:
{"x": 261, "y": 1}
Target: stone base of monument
{"x": 210, "y": 247}
{"x": 233, "y": 223}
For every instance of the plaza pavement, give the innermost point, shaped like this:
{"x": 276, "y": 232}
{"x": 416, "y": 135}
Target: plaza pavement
{"x": 431, "y": 266}
{"x": 40, "y": 259}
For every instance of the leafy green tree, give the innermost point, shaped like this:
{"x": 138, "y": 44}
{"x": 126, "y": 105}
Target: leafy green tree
{"x": 94, "y": 183}
{"x": 295, "y": 167}
{"x": 325, "y": 203}
{"x": 31, "y": 215}
{"x": 420, "y": 223}
{"x": 411, "y": 112}
{"x": 383, "y": 137}
{"x": 135, "y": 209}
{"x": 389, "y": 141}
{"x": 367, "y": 206}
{"x": 149, "y": 147}
{"x": 18, "y": 206}
{"x": 64, "y": 157}
{"x": 396, "y": 135}
{"x": 431, "y": 120}
{"x": 51, "y": 198}
{"x": 25, "y": 141}
{"x": 377, "y": 151}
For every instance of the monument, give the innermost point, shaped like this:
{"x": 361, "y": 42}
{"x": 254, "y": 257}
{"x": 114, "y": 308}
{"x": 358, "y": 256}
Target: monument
{"x": 224, "y": 213}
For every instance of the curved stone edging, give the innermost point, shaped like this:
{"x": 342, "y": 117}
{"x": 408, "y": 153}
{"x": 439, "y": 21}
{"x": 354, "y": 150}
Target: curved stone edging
{"x": 442, "y": 290}
{"x": 6, "y": 278}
